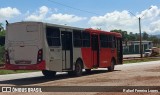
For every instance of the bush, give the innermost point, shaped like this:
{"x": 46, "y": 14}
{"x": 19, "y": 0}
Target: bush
{"x": 2, "y": 51}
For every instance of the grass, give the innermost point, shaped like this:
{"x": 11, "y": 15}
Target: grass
{"x": 137, "y": 60}
{"x": 3, "y": 72}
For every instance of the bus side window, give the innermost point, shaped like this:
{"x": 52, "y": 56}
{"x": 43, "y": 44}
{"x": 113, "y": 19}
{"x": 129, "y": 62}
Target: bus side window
{"x": 109, "y": 41}
{"x": 113, "y": 42}
{"x": 86, "y": 39}
{"x": 77, "y": 38}
{"x": 103, "y": 40}
{"x": 53, "y": 36}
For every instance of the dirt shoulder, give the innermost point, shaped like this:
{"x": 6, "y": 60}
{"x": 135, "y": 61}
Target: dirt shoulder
{"x": 136, "y": 74}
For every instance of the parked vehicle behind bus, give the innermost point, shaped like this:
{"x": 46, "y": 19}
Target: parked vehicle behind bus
{"x": 55, "y": 48}
{"x": 154, "y": 51}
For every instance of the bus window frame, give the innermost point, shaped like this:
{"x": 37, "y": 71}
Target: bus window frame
{"x": 52, "y": 37}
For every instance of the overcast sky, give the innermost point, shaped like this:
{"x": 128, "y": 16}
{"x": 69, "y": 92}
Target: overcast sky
{"x": 104, "y": 14}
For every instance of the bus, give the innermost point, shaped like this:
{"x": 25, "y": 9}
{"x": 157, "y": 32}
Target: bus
{"x": 55, "y": 48}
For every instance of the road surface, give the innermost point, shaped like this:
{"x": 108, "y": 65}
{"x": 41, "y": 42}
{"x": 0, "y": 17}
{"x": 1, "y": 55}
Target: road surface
{"x": 135, "y": 74}
{"x": 131, "y": 55}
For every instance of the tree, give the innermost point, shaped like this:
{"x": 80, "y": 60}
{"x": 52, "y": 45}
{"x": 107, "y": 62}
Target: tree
{"x": 136, "y": 36}
{"x": 155, "y": 40}
{"x": 124, "y": 34}
{"x": 145, "y": 36}
{"x": 2, "y": 37}
{"x": 2, "y": 33}
{"x": 1, "y": 27}
{"x": 132, "y": 36}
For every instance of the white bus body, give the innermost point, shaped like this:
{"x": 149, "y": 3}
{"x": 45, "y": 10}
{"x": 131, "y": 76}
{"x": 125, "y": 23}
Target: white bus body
{"x": 25, "y": 39}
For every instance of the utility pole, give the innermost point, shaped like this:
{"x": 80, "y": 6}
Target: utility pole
{"x": 140, "y": 38}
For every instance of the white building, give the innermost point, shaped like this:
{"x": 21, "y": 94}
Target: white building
{"x": 133, "y": 47}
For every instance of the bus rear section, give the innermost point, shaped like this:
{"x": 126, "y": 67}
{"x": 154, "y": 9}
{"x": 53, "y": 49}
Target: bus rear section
{"x": 23, "y": 46}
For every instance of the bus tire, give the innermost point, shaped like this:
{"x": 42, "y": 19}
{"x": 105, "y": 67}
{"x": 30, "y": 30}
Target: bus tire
{"x": 49, "y": 74}
{"x": 78, "y": 68}
{"x": 88, "y": 70}
{"x": 111, "y": 68}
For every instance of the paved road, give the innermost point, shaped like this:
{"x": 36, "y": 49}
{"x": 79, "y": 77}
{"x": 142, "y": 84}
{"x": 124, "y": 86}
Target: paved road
{"x": 131, "y": 55}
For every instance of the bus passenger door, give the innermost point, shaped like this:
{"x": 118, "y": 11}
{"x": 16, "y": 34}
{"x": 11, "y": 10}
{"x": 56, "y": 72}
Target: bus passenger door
{"x": 67, "y": 50}
{"x": 95, "y": 50}
{"x": 119, "y": 51}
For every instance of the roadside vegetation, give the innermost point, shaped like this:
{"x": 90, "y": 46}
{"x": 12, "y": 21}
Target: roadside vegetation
{"x": 138, "y": 60}
{"x": 3, "y": 72}
{"x": 2, "y": 37}
{"x": 1, "y": 54}
{"x": 130, "y": 36}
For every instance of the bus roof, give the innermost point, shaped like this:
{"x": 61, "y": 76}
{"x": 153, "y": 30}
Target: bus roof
{"x": 49, "y": 24}
{"x": 64, "y": 26}
{"x": 105, "y": 32}
{"x": 74, "y": 28}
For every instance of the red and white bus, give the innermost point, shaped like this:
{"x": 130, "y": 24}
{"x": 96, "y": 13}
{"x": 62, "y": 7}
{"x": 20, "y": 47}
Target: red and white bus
{"x": 56, "y": 48}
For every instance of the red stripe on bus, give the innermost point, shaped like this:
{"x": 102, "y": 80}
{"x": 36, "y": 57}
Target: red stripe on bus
{"x": 39, "y": 66}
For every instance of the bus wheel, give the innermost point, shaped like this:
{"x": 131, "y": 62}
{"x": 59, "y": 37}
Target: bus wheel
{"x": 111, "y": 68}
{"x": 88, "y": 70}
{"x": 78, "y": 68}
{"x": 48, "y": 74}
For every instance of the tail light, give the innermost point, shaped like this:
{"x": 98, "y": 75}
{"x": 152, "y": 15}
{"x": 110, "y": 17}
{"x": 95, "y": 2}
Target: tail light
{"x": 40, "y": 56}
{"x": 7, "y": 57}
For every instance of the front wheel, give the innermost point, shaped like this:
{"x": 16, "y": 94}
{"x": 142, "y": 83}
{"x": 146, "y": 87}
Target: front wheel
{"x": 111, "y": 68}
{"x": 49, "y": 74}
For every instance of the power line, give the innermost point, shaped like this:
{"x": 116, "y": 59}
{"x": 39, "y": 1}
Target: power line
{"x": 72, "y": 7}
